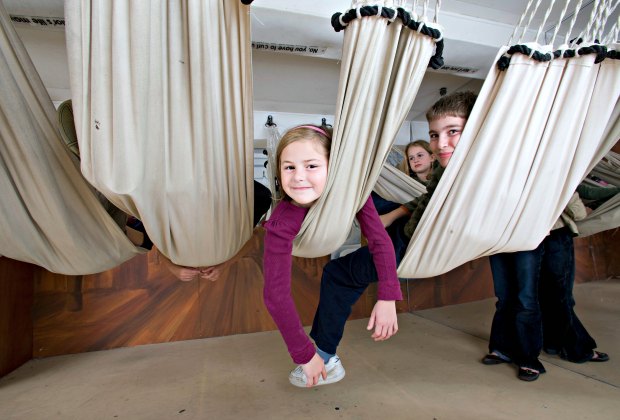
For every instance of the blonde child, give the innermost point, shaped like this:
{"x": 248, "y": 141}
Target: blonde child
{"x": 302, "y": 160}
{"x": 418, "y": 161}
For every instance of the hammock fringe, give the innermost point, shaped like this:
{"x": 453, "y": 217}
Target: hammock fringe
{"x": 341, "y": 20}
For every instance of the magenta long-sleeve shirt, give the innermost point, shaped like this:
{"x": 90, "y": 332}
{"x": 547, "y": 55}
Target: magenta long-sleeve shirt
{"x": 281, "y": 229}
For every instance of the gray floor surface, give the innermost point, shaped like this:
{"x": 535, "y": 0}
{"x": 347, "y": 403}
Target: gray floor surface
{"x": 430, "y": 370}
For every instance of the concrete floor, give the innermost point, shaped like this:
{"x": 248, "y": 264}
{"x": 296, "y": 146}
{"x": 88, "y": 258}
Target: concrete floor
{"x": 430, "y": 370}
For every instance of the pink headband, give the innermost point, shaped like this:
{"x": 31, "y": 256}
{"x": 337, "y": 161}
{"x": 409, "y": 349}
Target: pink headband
{"x": 317, "y": 129}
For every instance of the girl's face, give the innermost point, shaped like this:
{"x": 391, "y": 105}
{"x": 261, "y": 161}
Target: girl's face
{"x": 420, "y": 160}
{"x": 303, "y": 171}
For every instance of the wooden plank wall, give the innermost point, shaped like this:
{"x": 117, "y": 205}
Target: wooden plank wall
{"x": 16, "y": 299}
{"x": 44, "y": 314}
{"x": 140, "y": 302}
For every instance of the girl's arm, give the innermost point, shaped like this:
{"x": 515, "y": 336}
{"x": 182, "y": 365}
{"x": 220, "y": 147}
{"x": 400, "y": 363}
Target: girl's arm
{"x": 281, "y": 229}
{"x": 388, "y": 218}
{"x": 383, "y": 317}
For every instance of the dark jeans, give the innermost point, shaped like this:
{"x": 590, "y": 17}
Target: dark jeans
{"x": 262, "y": 201}
{"x": 562, "y": 330}
{"x": 343, "y": 282}
{"x": 382, "y": 205}
{"x": 516, "y": 330}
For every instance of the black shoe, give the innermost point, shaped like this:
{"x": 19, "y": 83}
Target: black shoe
{"x": 527, "y": 374}
{"x": 598, "y": 356}
{"x": 494, "y": 359}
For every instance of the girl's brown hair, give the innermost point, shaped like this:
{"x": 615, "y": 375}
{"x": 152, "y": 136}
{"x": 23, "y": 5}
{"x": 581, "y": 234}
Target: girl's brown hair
{"x": 404, "y": 165}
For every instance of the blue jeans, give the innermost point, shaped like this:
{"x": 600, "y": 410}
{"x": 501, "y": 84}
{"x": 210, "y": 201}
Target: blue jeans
{"x": 382, "y": 205}
{"x": 343, "y": 282}
{"x": 262, "y": 201}
{"x": 563, "y": 332}
{"x": 517, "y": 330}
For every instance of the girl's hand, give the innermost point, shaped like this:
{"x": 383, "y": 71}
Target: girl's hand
{"x": 180, "y": 272}
{"x": 211, "y": 273}
{"x": 183, "y": 273}
{"x": 313, "y": 369}
{"x": 383, "y": 319}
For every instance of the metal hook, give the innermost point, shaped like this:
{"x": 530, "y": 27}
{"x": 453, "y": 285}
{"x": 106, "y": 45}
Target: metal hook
{"x": 324, "y": 123}
{"x": 270, "y": 122}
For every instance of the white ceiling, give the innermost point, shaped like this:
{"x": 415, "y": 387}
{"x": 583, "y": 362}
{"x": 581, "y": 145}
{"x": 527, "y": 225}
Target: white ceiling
{"x": 474, "y": 31}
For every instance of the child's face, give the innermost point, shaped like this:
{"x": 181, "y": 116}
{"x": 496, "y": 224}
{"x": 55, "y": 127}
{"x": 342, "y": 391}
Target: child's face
{"x": 419, "y": 159}
{"x": 445, "y": 133}
{"x": 303, "y": 171}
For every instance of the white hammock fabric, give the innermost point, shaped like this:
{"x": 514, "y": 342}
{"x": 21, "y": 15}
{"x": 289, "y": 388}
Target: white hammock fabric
{"x": 536, "y": 130}
{"x": 162, "y": 97}
{"x": 394, "y": 185}
{"x": 609, "y": 169}
{"x": 383, "y": 63}
{"x": 50, "y": 215}
{"x": 607, "y": 215}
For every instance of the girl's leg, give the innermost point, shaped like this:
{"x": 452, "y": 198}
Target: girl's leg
{"x": 343, "y": 282}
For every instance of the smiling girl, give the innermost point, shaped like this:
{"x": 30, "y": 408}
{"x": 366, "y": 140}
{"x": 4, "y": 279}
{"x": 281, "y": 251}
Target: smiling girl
{"x": 302, "y": 159}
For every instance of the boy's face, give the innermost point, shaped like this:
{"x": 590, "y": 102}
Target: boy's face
{"x": 303, "y": 171}
{"x": 445, "y": 133}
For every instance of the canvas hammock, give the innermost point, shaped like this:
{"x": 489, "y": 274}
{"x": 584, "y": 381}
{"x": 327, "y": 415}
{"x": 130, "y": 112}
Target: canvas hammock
{"x": 50, "y": 215}
{"x": 607, "y": 215}
{"x": 538, "y": 127}
{"x": 386, "y": 51}
{"x": 394, "y": 185}
{"x": 162, "y": 97}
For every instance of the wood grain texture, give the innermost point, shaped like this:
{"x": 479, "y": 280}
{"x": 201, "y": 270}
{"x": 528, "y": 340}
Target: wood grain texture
{"x": 139, "y": 302}
{"x": 16, "y": 299}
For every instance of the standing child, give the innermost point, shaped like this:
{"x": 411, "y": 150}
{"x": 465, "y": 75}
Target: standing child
{"x": 302, "y": 160}
{"x": 446, "y": 122}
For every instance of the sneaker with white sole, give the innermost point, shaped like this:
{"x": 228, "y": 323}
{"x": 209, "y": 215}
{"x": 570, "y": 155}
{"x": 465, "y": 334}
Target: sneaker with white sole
{"x": 335, "y": 372}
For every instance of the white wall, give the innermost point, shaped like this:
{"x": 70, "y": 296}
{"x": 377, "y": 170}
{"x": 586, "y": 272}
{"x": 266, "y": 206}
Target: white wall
{"x": 286, "y": 120}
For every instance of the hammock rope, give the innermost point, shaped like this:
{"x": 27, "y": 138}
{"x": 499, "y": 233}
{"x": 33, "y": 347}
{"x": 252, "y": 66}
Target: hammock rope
{"x": 341, "y": 20}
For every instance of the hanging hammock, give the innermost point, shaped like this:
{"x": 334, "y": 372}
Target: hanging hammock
{"x": 50, "y": 215}
{"x": 539, "y": 126}
{"x": 609, "y": 169}
{"x": 162, "y": 97}
{"x": 607, "y": 215}
{"x": 385, "y": 55}
{"x": 394, "y": 185}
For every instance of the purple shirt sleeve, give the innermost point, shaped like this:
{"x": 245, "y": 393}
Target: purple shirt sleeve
{"x": 382, "y": 250}
{"x": 281, "y": 229}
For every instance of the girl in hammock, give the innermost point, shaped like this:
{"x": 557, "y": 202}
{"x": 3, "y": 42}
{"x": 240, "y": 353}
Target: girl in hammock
{"x": 418, "y": 164}
{"x": 418, "y": 161}
{"x": 302, "y": 160}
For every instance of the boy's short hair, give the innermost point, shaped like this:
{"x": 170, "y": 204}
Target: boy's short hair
{"x": 457, "y": 104}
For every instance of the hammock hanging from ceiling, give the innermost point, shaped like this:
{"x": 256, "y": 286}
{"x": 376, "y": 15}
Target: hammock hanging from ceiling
{"x": 385, "y": 54}
{"x": 50, "y": 215}
{"x": 396, "y": 186}
{"x": 162, "y": 97}
{"x": 607, "y": 215}
{"x": 542, "y": 121}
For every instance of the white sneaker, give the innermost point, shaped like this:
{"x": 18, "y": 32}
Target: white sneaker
{"x": 335, "y": 372}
